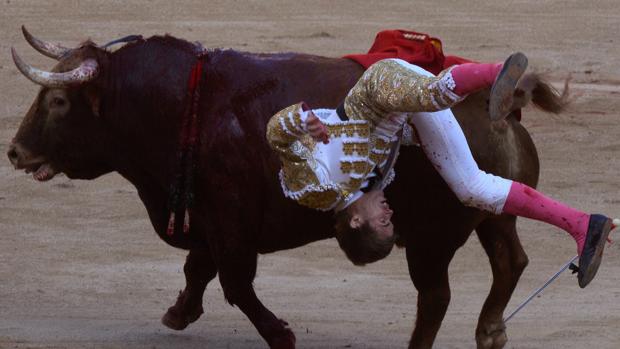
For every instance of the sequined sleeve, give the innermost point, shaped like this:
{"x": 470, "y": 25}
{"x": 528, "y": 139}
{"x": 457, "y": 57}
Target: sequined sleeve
{"x": 284, "y": 128}
{"x": 390, "y": 86}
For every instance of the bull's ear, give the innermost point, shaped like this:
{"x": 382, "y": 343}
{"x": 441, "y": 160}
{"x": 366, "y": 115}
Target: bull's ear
{"x": 93, "y": 97}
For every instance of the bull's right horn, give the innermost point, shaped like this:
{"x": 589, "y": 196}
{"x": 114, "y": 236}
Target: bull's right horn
{"x": 48, "y": 49}
{"x": 86, "y": 71}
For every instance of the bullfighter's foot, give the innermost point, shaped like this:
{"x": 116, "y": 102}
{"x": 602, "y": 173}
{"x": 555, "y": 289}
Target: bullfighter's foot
{"x": 491, "y": 336}
{"x": 592, "y": 254}
{"x": 179, "y": 316}
{"x": 284, "y": 340}
{"x": 503, "y": 88}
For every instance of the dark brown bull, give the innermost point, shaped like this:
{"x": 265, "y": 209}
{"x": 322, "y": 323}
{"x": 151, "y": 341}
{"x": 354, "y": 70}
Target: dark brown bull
{"x": 120, "y": 111}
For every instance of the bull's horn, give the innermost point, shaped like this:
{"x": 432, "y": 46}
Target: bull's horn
{"x": 87, "y": 71}
{"x": 48, "y": 49}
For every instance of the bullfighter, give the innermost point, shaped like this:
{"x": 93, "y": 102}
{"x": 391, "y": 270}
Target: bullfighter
{"x": 341, "y": 160}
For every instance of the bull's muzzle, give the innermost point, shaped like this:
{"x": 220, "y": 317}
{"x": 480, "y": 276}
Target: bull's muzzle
{"x": 20, "y": 157}
{"x": 23, "y": 159}
{"x": 13, "y": 154}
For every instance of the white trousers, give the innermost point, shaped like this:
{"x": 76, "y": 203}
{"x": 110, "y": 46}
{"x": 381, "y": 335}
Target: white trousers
{"x": 444, "y": 144}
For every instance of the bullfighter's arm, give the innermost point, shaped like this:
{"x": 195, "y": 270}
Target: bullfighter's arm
{"x": 389, "y": 86}
{"x": 286, "y": 127}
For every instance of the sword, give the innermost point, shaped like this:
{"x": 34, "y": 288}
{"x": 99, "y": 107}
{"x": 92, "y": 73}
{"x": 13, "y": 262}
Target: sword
{"x": 540, "y": 289}
{"x": 568, "y": 265}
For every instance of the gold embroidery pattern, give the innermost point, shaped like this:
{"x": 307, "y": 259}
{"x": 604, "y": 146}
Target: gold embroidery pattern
{"x": 320, "y": 200}
{"x": 289, "y": 125}
{"x": 280, "y": 141}
{"x": 360, "y": 166}
{"x": 377, "y": 158}
{"x": 381, "y": 144}
{"x": 349, "y": 130}
{"x": 297, "y": 175}
{"x": 307, "y": 142}
{"x": 355, "y": 183}
{"x": 359, "y": 148}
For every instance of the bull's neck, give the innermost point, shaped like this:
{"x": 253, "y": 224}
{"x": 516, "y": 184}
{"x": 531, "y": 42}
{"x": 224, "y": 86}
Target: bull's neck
{"x": 145, "y": 113}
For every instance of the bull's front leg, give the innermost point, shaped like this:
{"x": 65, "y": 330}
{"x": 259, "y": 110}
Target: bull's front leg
{"x": 233, "y": 244}
{"x": 498, "y": 236}
{"x": 199, "y": 270}
{"x": 236, "y": 262}
{"x": 199, "y": 266}
{"x": 428, "y": 268}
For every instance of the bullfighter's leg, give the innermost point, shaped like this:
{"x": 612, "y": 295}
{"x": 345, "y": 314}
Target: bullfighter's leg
{"x": 445, "y": 145}
{"x": 399, "y": 86}
{"x": 428, "y": 269}
{"x": 498, "y": 236}
{"x": 199, "y": 270}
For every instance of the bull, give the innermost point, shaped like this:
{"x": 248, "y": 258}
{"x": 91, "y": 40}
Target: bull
{"x": 101, "y": 111}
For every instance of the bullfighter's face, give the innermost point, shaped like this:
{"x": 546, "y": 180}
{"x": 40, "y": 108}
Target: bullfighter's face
{"x": 372, "y": 209}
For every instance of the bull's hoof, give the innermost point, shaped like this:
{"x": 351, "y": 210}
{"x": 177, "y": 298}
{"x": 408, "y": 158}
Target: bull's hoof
{"x": 285, "y": 340}
{"x": 492, "y": 336}
{"x": 176, "y": 320}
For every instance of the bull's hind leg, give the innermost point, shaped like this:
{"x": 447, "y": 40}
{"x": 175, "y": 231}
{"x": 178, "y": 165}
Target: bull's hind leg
{"x": 498, "y": 236}
{"x": 199, "y": 270}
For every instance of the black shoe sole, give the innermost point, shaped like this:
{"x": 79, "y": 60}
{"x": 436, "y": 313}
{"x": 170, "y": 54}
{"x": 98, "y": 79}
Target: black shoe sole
{"x": 502, "y": 91}
{"x": 585, "y": 275}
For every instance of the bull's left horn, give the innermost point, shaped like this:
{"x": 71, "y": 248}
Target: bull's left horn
{"x": 86, "y": 71}
{"x": 48, "y": 49}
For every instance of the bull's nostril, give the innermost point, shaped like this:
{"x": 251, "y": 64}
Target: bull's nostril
{"x": 13, "y": 156}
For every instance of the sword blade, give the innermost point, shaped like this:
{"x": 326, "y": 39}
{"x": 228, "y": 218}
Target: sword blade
{"x": 540, "y": 289}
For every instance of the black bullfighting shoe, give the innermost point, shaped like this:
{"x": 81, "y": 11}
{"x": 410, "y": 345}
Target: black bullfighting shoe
{"x": 503, "y": 88}
{"x": 592, "y": 254}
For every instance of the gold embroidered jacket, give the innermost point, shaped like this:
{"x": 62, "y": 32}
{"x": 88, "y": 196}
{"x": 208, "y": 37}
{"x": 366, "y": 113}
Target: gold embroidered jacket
{"x": 329, "y": 176}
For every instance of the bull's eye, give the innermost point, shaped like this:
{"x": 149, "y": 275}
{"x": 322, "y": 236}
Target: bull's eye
{"x": 58, "y": 102}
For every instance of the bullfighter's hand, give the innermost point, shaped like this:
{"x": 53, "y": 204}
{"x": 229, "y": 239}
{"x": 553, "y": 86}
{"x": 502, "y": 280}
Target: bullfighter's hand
{"x": 316, "y": 129}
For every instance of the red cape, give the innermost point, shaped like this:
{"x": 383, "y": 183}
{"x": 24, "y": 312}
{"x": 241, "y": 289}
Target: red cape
{"x": 416, "y": 48}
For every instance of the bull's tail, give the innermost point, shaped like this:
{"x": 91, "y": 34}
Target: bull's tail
{"x": 532, "y": 87}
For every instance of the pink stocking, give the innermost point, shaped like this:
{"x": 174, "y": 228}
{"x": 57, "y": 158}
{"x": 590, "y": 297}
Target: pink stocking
{"x": 526, "y": 202}
{"x": 471, "y": 77}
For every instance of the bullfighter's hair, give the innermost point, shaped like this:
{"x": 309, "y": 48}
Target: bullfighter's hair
{"x": 361, "y": 245}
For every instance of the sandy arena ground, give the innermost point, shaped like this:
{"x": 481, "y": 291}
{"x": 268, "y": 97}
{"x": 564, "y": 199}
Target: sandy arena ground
{"x": 80, "y": 266}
